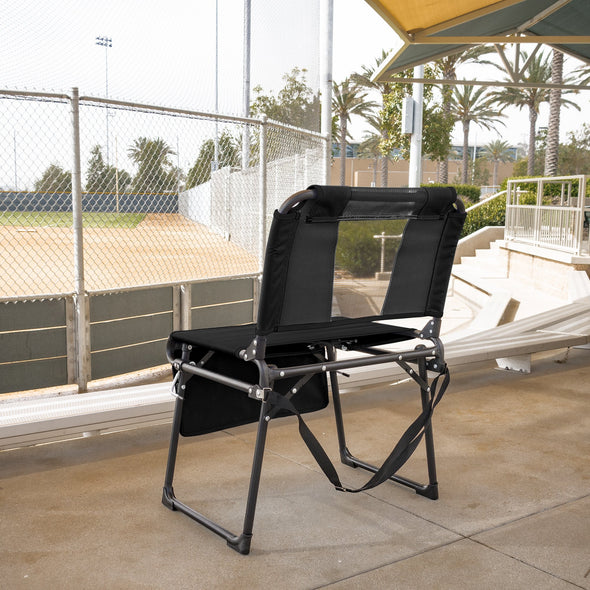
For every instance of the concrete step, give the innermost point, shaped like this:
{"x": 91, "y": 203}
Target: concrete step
{"x": 486, "y": 267}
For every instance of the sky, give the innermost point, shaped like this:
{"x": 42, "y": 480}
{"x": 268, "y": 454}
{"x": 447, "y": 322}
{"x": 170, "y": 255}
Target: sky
{"x": 165, "y": 53}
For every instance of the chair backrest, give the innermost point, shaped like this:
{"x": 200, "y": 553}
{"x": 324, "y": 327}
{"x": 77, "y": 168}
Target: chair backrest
{"x": 308, "y": 248}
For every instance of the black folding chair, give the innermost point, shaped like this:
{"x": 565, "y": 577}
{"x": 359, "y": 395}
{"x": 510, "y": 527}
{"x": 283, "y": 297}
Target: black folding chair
{"x": 313, "y": 302}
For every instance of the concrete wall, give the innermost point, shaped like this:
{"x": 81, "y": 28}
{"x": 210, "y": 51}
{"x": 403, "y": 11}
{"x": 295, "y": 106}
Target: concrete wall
{"x": 360, "y": 172}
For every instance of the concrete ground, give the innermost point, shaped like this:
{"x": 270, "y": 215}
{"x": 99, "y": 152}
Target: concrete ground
{"x": 514, "y": 507}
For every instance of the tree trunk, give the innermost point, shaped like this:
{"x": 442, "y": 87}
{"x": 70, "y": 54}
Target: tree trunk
{"x": 465, "y": 171}
{"x": 342, "y": 152}
{"x": 375, "y": 166}
{"x": 443, "y": 171}
{"x": 532, "y": 136}
{"x": 552, "y": 149}
{"x": 384, "y": 171}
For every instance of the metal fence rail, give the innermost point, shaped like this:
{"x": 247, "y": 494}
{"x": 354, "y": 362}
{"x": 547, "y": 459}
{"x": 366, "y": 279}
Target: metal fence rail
{"x": 105, "y": 196}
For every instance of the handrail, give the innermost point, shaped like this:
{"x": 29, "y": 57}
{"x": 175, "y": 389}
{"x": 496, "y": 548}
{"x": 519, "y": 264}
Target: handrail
{"x": 485, "y": 201}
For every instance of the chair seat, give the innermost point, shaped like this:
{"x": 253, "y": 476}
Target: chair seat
{"x": 353, "y": 333}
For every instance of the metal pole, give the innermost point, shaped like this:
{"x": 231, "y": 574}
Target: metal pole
{"x": 246, "y": 82}
{"x": 106, "y": 42}
{"x": 382, "y": 251}
{"x": 15, "y": 169}
{"x": 106, "y": 74}
{"x": 262, "y": 194}
{"x": 473, "y": 159}
{"x": 326, "y": 51}
{"x": 82, "y": 371}
{"x": 415, "y": 172}
{"x": 215, "y": 163}
{"x": 117, "y": 172}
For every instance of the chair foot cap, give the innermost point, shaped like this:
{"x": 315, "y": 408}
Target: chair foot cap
{"x": 168, "y": 498}
{"x": 430, "y": 491}
{"x": 241, "y": 544}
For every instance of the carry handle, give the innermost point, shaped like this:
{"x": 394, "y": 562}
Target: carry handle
{"x": 295, "y": 199}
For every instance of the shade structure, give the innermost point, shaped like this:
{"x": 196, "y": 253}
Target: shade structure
{"x": 430, "y": 29}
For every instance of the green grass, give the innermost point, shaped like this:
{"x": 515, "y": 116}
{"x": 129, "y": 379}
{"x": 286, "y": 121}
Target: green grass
{"x": 65, "y": 219}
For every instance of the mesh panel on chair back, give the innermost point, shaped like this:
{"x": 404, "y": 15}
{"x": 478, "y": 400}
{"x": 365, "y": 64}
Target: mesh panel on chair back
{"x": 298, "y": 281}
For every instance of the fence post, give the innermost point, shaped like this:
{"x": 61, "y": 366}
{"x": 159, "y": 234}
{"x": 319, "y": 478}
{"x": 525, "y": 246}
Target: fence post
{"x": 262, "y": 193}
{"x": 81, "y": 315}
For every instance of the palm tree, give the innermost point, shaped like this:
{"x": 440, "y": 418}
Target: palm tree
{"x": 364, "y": 78}
{"x": 538, "y": 72}
{"x": 447, "y": 68}
{"x": 155, "y": 171}
{"x": 155, "y": 151}
{"x": 348, "y": 99}
{"x": 472, "y": 105}
{"x": 552, "y": 148}
{"x": 497, "y": 151}
{"x": 371, "y": 148}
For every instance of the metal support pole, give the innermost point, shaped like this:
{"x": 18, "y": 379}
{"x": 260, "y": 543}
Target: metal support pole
{"x": 262, "y": 193}
{"x": 15, "y": 161}
{"x": 382, "y": 251}
{"x": 82, "y": 362}
{"x": 215, "y": 163}
{"x": 106, "y": 42}
{"x": 246, "y": 82}
{"x": 326, "y": 50}
{"x": 415, "y": 175}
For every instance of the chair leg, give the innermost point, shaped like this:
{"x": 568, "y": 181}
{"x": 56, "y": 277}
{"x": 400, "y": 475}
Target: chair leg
{"x": 168, "y": 492}
{"x": 240, "y": 543}
{"x": 181, "y": 379}
{"x": 345, "y": 455}
{"x": 429, "y": 490}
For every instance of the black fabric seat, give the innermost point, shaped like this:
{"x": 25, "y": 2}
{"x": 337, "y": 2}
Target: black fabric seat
{"x": 310, "y": 306}
{"x": 233, "y": 339}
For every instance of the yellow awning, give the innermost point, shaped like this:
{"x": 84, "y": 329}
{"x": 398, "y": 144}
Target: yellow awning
{"x": 417, "y": 15}
{"x": 429, "y": 29}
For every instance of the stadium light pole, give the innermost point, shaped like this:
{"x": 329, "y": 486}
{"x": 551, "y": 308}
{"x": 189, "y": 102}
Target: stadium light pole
{"x": 106, "y": 42}
{"x": 215, "y": 163}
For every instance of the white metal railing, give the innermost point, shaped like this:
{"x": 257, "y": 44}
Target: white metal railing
{"x": 551, "y": 215}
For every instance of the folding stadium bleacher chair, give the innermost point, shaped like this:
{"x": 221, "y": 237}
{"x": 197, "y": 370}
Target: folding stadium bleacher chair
{"x": 279, "y": 366}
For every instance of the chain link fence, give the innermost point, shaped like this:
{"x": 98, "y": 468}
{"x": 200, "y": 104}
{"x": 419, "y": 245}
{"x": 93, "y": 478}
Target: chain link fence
{"x": 168, "y": 195}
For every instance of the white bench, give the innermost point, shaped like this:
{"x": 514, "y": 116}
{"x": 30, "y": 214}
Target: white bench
{"x": 35, "y": 421}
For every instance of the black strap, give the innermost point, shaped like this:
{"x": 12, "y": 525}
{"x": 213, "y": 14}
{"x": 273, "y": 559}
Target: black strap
{"x": 401, "y": 452}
